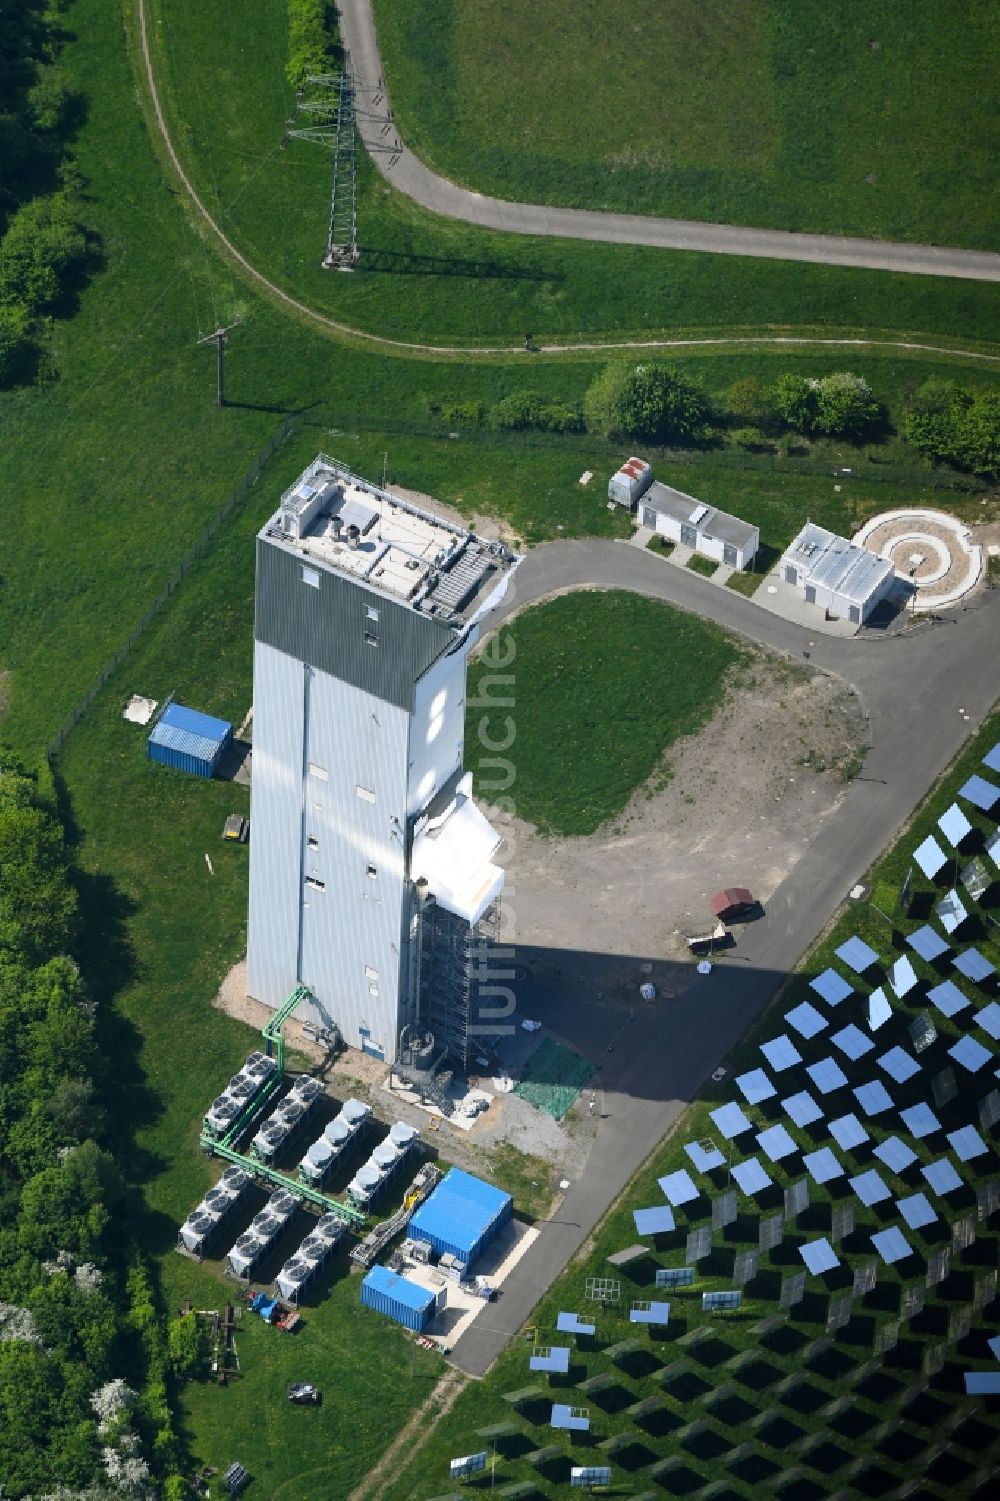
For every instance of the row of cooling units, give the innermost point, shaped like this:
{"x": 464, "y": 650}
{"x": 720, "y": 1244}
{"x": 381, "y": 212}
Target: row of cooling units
{"x": 291, "y": 1115}
{"x": 239, "y": 1093}
{"x": 221, "y": 1203}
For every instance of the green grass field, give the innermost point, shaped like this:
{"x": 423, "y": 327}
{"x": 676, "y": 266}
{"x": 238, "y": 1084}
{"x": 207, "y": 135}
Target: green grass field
{"x": 871, "y": 119}
{"x": 144, "y": 458}
{"x": 859, "y": 1412}
{"x": 591, "y": 724}
{"x": 428, "y": 279}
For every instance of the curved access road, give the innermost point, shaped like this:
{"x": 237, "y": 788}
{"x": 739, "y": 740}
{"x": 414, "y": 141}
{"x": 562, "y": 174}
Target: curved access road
{"x": 412, "y": 177}
{"x": 915, "y": 689}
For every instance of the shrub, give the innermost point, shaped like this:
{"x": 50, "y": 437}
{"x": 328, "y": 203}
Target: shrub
{"x": 977, "y": 434}
{"x": 840, "y": 405}
{"x": 795, "y": 400}
{"x": 653, "y": 402}
{"x": 15, "y": 342}
{"x": 525, "y": 409}
{"x": 519, "y": 410}
{"x": 50, "y": 99}
{"x": 184, "y": 1345}
{"x": 845, "y": 406}
{"x": 750, "y": 399}
{"x": 310, "y": 42}
{"x": 556, "y": 418}
{"x": 750, "y": 438}
{"x": 463, "y": 413}
{"x": 945, "y": 421}
{"x": 930, "y": 422}
{"x": 44, "y": 246}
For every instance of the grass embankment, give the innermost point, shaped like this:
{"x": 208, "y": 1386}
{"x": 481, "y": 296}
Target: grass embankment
{"x": 865, "y": 120}
{"x": 865, "y": 1408}
{"x": 426, "y": 278}
{"x": 601, "y": 687}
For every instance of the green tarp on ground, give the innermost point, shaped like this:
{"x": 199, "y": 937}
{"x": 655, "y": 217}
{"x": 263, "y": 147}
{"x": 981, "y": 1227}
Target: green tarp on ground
{"x": 553, "y": 1078}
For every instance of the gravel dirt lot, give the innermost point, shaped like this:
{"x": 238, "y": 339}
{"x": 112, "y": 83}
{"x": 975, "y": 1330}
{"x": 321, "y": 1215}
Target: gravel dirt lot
{"x": 735, "y": 805}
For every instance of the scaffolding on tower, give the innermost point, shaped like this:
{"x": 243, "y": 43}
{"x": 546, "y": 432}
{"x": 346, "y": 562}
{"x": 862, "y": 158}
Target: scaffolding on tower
{"x": 332, "y": 109}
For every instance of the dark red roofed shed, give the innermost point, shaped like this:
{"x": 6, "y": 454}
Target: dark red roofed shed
{"x": 734, "y": 902}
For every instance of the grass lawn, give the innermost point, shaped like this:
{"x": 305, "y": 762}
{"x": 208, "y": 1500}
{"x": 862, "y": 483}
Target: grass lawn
{"x": 699, "y": 564}
{"x": 428, "y": 279}
{"x": 600, "y": 692}
{"x": 744, "y": 583}
{"x": 857, "y": 119}
{"x": 864, "y": 1407}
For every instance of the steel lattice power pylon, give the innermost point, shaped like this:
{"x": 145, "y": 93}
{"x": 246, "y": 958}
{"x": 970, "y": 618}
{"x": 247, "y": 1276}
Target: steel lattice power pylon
{"x": 333, "y": 124}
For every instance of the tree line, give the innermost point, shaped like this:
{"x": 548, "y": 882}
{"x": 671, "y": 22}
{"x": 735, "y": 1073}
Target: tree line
{"x": 76, "y": 1309}
{"x": 657, "y": 403}
{"x": 46, "y": 248}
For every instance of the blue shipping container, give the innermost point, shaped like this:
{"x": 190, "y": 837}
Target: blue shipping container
{"x": 189, "y": 740}
{"x": 463, "y": 1215}
{"x": 398, "y": 1298}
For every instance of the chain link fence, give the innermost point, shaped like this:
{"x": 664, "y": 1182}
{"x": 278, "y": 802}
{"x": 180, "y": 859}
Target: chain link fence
{"x": 869, "y": 468}
{"x": 194, "y": 552}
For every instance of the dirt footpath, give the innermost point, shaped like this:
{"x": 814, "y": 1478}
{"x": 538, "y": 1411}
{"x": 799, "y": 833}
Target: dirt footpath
{"x": 734, "y": 805}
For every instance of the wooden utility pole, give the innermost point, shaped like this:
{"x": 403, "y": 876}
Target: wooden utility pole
{"x": 218, "y": 338}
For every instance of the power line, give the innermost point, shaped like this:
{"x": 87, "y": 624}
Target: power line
{"x": 218, "y": 338}
{"x": 333, "y": 124}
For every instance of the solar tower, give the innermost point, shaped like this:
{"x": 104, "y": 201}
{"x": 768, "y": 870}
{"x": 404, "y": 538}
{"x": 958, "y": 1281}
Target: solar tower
{"x": 373, "y": 881}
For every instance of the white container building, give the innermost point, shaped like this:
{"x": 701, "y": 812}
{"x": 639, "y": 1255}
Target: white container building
{"x": 383, "y": 1164}
{"x": 318, "y": 1245}
{"x": 333, "y": 1144}
{"x": 238, "y": 1093}
{"x": 287, "y": 1119}
{"x": 703, "y": 528}
{"x": 630, "y": 483}
{"x": 260, "y": 1234}
{"x": 215, "y": 1208}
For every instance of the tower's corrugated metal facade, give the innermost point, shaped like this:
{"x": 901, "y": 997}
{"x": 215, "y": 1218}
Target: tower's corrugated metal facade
{"x": 358, "y": 725}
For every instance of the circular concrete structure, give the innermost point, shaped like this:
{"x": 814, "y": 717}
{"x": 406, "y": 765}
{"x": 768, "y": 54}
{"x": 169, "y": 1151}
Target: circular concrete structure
{"x": 930, "y": 550}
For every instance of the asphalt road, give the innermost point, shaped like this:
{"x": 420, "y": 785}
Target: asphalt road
{"x": 914, "y": 687}
{"x": 410, "y": 176}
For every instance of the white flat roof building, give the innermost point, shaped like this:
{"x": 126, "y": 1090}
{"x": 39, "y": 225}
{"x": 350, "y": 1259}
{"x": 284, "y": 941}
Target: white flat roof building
{"x": 701, "y": 527}
{"x": 840, "y": 577}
